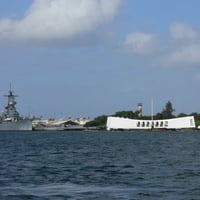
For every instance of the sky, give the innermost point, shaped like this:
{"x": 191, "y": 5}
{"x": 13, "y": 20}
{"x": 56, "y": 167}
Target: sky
{"x": 85, "y": 58}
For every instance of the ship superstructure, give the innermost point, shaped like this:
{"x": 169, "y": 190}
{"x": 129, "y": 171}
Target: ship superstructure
{"x": 10, "y": 113}
{"x": 10, "y": 118}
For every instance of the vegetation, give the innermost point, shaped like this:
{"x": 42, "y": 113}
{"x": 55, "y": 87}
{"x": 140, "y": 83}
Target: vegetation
{"x": 167, "y": 113}
{"x": 126, "y": 114}
{"x": 99, "y": 122}
{"x": 197, "y": 118}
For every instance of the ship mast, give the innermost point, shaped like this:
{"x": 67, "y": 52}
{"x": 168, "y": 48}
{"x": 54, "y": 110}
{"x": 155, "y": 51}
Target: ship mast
{"x": 11, "y": 97}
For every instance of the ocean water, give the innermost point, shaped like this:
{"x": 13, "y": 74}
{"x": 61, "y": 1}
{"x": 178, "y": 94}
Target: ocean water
{"x": 100, "y": 165}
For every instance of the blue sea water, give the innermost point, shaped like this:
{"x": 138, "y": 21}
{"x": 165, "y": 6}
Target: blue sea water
{"x": 100, "y": 165}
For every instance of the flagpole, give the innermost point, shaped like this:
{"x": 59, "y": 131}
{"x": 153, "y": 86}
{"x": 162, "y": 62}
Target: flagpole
{"x": 152, "y": 123}
{"x": 152, "y": 109}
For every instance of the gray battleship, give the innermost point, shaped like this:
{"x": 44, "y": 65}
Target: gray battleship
{"x": 10, "y": 120}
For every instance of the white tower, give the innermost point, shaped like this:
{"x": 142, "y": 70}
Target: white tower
{"x": 139, "y": 110}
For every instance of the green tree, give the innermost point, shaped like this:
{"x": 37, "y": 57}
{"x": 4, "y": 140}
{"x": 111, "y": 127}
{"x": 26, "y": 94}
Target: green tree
{"x": 125, "y": 114}
{"x": 99, "y": 122}
{"x": 182, "y": 115}
{"x": 168, "y": 110}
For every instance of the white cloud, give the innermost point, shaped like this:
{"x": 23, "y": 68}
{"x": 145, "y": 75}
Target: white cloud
{"x": 184, "y": 32}
{"x": 48, "y": 20}
{"x": 182, "y": 50}
{"x": 140, "y": 43}
{"x": 185, "y": 46}
{"x": 186, "y": 55}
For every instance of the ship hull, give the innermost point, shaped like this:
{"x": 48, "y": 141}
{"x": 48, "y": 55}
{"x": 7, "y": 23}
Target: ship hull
{"x": 22, "y": 125}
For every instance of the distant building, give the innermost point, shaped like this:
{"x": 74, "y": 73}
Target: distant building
{"x": 82, "y": 121}
{"x": 60, "y": 124}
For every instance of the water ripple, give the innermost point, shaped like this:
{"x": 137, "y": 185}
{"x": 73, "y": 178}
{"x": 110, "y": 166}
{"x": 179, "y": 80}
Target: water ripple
{"x": 99, "y": 165}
